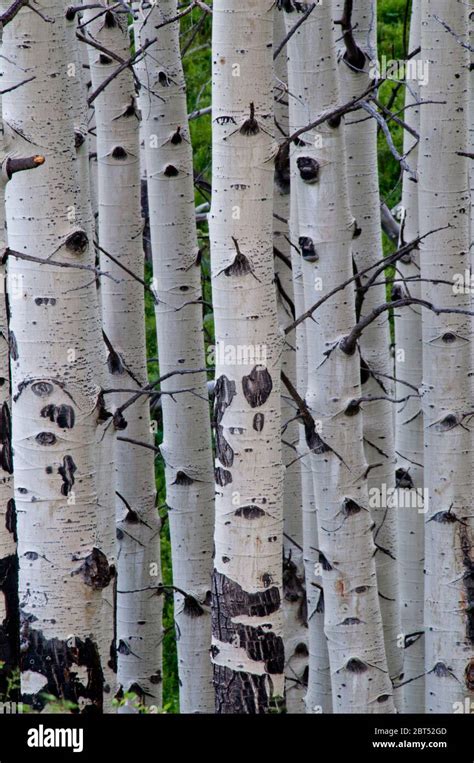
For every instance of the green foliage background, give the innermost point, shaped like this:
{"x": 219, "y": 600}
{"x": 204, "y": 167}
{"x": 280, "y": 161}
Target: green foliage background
{"x": 196, "y": 39}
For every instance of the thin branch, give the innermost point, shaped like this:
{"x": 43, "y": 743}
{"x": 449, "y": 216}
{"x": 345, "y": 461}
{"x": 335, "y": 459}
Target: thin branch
{"x": 294, "y": 28}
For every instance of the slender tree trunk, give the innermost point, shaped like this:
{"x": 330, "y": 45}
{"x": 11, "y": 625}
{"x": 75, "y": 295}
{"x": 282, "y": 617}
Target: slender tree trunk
{"x": 139, "y": 602}
{"x": 409, "y": 415}
{"x": 447, "y": 383}
{"x": 65, "y": 640}
{"x": 247, "y": 644}
{"x": 294, "y": 602}
{"x": 186, "y": 446}
{"x": 364, "y": 201}
{"x": 318, "y": 693}
{"x": 353, "y": 623}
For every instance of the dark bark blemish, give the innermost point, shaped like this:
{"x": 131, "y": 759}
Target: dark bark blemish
{"x": 323, "y": 561}
{"x": 6, "y": 455}
{"x": 257, "y": 386}
{"x": 46, "y": 438}
{"x": 62, "y": 415}
{"x": 282, "y": 168}
{"x": 77, "y": 242}
{"x": 308, "y": 169}
{"x": 13, "y": 346}
{"x": 191, "y": 607}
{"x": 240, "y": 693}
{"x": 118, "y": 152}
{"x": 171, "y": 171}
{"x": 9, "y": 627}
{"x": 403, "y": 479}
{"x": 258, "y": 422}
{"x": 10, "y": 518}
{"x": 222, "y": 476}
{"x": 67, "y": 471}
{"x": 224, "y": 451}
{"x": 183, "y": 479}
{"x": 307, "y": 248}
{"x": 250, "y": 512}
{"x": 42, "y": 389}
{"x": 355, "y": 665}
{"x": 468, "y": 580}
{"x": 95, "y": 570}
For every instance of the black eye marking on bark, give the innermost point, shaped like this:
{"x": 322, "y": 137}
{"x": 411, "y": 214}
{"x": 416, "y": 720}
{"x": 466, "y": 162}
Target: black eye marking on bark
{"x": 171, "y": 171}
{"x": 361, "y": 589}
{"x": 176, "y": 138}
{"x": 357, "y": 230}
{"x": 103, "y": 59}
{"x": 449, "y": 337}
{"x": 222, "y": 476}
{"x": 119, "y": 153}
{"x": 308, "y": 169}
{"x": 289, "y": 6}
{"x": 224, "y": 393}
{"x": 412, "y": 638}
{"x": 258, "y": 422}
{"x": 314, "y": 442}
{"x": 442, "y": 671}
{"x": 327, "y": 567}
{"x": 444, "y": 517}
{"x": 383, "y": 698}
{"x": 77, "y": 242}
{"x": 224, "y": 451}
{"x": 352, "y": 408}
{"x": 192, "y": 607}
{"x": 449, "y": 422}
{"x": 55, "y": 659}
{"x": 62, "y": 415}
{"x": 183, "y": 479}
{"x": 250, "y": 512}
{"x": 13, "y": 344}
{"x": 10, "y": 518}
{"x": 6, "y": 455}
{"x": 356, "y": 666}
{"x": 95, "y": 570}
{"x": 250, "y": 126}
{"x": 110, "y": 21}
{"x": 335, "y": 122}
{"x": 351, "y": 621}
{"x": 308, "y": 252}
{"x": 292, "y": 583}
{"x": 42, "y": 389}
{"x": 257, "y": 386}
{"x": 350, "y": 507}
{"x": 282, "y": 168}
{"x": 123, "y": 648}
{"x": 163, "y": 79}
{"x": 156, "y": 678}
{"x": 365, "y": 372}
{"x": 403, "y": 479}
{"x": 79, "y": 138}
{"x": 301, "y": 650}
{"x": 225, "y": 559}
{"x": 225, "y": 120}
{"x": 67, "y": 471}
{"x": 45, "y": 438}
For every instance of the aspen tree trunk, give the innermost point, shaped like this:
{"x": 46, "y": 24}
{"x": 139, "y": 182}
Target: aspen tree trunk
{"x": 247, "y": 644}
{"x": 353, "y": 624}
{"x": 409, "y": 416}
{"x": 139, "y": 603}
{"x": 186, "y": 446}
{"x": 9, "y": 613}
{"x": 364, "y": 200}
{"x": 318, "y": 694}
{"x": 447, "y": 384}
{"x": 294, "y": 601}
{"x": 65, "y": 640}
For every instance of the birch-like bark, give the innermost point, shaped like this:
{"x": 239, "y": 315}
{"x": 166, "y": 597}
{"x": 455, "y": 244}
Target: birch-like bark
{"x": 186, "y": 446}
{"x": 294, "y": 594}
{"x": 447, "y": 384}
{"x": 318, "y": 694}
{"x": 353, "y": 623}
{"x": 409, "y": 415}
{"x": 247, "y": 645}
{"x": 65, "y": 640}
{"x": 360, "y": 135}
{"x": 139, "y": 603}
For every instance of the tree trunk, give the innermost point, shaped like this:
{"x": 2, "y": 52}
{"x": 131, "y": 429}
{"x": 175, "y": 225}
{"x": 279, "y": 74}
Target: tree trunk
{"x": 186, "y": 446}
{"x": 65, "y": 640}
{"x": 318, "y": 694}
{"x": 139, "y": 601}
{"x": 353, "y": 624}
{"x": 247, "y": 644}
{"x": 447, "y": 383}
{"x": 409, "y": 415}
{"x": 294, "y": 601}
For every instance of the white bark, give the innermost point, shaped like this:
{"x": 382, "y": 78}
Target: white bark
{"x": 247, "y": 645}
{"x": 364, "y": 200}
{"x": 318, "y": 695}
{"x": 139, "y": 602}
{"x": 353, "y": 624}
{"x": 186, "y": 446}
{"x": 65, "y": 637}
{"x": 409, "y": 416}
{"x": 447, "y": 384}
{"x": 294, "y": 601}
